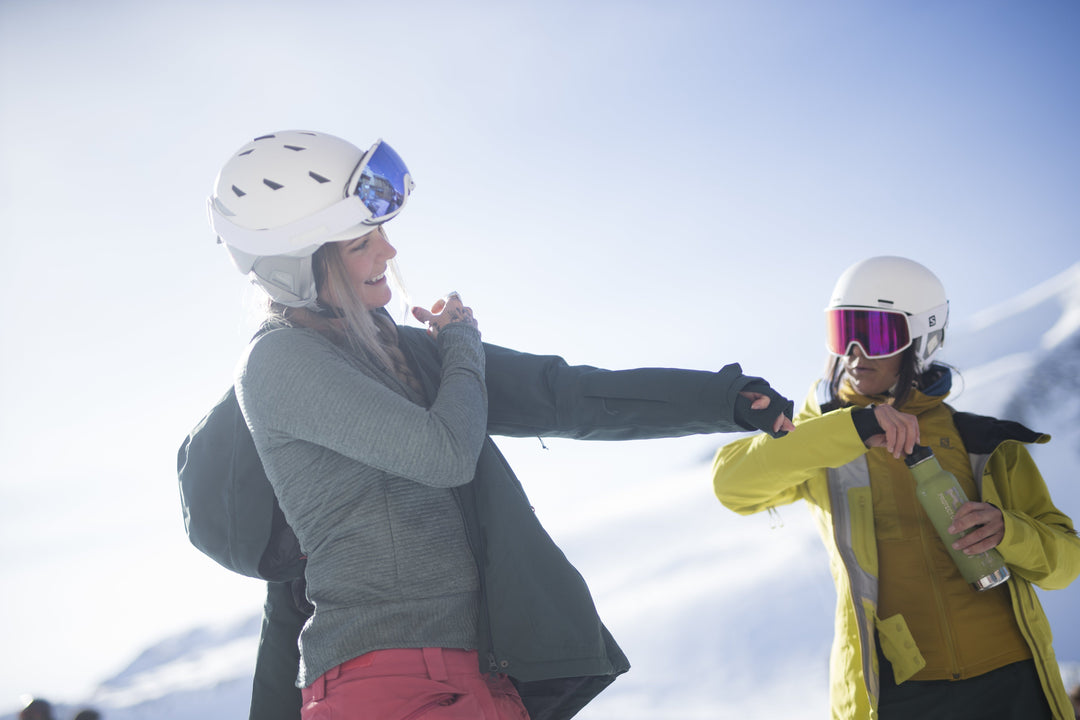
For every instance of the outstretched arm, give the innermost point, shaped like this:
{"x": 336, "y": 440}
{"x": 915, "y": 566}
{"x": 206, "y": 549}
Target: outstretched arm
{"x": 755, "y": 473}
{"x": 542, "y": 395}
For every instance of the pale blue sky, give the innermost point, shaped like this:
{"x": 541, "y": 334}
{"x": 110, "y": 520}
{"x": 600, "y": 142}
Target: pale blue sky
{"x": 625, "y": 183}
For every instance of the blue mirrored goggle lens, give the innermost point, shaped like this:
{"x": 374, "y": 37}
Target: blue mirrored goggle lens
{"x": 879, "y": 333}
{"x": 384, "y": 183}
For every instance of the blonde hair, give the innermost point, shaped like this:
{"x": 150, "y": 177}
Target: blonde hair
{"x": 350, "y": 324}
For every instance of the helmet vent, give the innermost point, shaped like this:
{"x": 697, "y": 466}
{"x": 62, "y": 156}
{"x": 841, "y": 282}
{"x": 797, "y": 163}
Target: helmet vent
{"x": 246, "y": 152}
{"x": 238, "y": 192}
{"x": 295, "y": 148}
{"x": 318, "y": 178}
{"x": 272, "y": 185}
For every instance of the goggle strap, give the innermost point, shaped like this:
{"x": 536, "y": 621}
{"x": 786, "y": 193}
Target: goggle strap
{"x": 927, "y": 322}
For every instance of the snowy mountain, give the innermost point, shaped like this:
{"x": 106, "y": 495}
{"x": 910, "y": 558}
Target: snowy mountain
{"x": 721, "y": 616}
{"x": 201, "y": 674}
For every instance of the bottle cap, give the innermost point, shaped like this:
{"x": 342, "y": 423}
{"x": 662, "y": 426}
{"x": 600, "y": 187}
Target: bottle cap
{"x": 918, "y": 454}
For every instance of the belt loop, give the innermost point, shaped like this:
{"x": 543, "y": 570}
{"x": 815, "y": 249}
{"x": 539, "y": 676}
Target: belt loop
{"x": 436, "y": 668}
{"x": 318, "y": 688}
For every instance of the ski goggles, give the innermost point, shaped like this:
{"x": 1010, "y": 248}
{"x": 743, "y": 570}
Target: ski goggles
{"x": 878, "y": 333}
{"x": 381, "y": 183}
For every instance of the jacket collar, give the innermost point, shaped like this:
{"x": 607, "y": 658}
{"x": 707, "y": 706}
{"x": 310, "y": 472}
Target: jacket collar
{"x": 935, "y": 385}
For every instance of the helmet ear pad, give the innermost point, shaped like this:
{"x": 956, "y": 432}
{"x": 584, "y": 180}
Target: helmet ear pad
{"x": 934, "y": 342}
{"x": 287, "y": 279}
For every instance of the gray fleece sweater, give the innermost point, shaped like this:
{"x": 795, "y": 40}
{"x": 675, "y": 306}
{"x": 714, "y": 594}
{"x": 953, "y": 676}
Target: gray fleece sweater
{"x": 363, "y": 472}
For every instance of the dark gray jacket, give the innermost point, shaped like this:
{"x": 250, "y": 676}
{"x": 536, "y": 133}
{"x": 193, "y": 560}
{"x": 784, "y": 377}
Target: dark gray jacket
{"x": 528, "y": 395}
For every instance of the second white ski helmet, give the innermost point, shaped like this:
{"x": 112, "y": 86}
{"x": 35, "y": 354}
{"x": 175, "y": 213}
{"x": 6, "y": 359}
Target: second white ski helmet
{"x": 896, "y": 284}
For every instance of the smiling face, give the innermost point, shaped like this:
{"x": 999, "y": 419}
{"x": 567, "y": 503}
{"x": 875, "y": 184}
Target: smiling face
{"x": 364, "y": 260}
{"x": 871, "y": 376}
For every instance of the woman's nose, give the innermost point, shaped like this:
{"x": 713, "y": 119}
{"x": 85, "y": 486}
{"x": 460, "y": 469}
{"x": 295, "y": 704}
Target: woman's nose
{"x": 388, "y": 250}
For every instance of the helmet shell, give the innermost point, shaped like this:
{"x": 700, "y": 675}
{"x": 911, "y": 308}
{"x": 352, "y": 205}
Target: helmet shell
{"x": 285, "y": 176}
{"x": 888, "y": 283}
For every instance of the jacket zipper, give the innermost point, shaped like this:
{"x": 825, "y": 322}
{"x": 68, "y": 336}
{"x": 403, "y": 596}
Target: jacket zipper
{"x": 485, "y": 621}
{"x": 1025, "y": 606}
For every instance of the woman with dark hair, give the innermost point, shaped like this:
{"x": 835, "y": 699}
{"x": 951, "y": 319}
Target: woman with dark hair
{"x": 912, "y": 638}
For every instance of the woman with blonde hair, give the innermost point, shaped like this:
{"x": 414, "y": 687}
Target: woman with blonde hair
{"x": 431, "y": 589}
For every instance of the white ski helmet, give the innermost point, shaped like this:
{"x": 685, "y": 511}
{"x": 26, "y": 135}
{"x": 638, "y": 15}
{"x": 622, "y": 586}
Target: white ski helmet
{"x": 283, "y": 196}
{"x": 894, "y": 285}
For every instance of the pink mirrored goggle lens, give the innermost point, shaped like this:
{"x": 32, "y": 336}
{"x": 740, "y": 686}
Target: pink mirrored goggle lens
{"x": 879, "y": 333}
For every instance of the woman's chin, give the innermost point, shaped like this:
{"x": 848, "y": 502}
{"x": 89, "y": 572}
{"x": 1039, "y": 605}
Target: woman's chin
{"x": 375, "y": 297}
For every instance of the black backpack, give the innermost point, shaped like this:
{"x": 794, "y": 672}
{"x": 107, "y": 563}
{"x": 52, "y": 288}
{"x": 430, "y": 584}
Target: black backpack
{"x": 230, "y": 511}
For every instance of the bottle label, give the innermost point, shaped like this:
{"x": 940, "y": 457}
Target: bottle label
{"x": 951, "y": 500}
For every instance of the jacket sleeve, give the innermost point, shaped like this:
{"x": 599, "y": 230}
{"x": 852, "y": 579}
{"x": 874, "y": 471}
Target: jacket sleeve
{"x": 755, "y": 473}
{"x": 1040, "y": 542}
{"x": 541, "y": 395}
{"x": 274, "y": 695}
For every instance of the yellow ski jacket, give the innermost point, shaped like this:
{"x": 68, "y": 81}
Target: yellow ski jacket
{"x": 824, "y": 463}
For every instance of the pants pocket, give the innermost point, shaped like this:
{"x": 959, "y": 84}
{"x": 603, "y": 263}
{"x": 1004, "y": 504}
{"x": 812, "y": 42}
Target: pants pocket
{"x": 393, "y": 697}
{"x": 506, "y": 698}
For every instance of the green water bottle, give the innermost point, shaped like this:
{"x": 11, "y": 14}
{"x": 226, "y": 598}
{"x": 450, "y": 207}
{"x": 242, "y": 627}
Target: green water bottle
{"x": 941, "y": 496}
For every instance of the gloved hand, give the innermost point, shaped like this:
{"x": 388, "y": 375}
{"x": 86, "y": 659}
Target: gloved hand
{"x": 759, "y": 407}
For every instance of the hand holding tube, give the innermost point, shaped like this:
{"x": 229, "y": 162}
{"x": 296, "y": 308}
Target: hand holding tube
{"x": 987, "y": 526}
{"x": 948, "y": 508}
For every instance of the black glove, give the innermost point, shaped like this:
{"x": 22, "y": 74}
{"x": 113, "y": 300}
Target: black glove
{"x": 762, "y": 419}
{"x": 866, "y": 423}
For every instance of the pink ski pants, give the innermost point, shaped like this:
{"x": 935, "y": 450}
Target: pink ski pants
{"x": 412, "y": 684}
